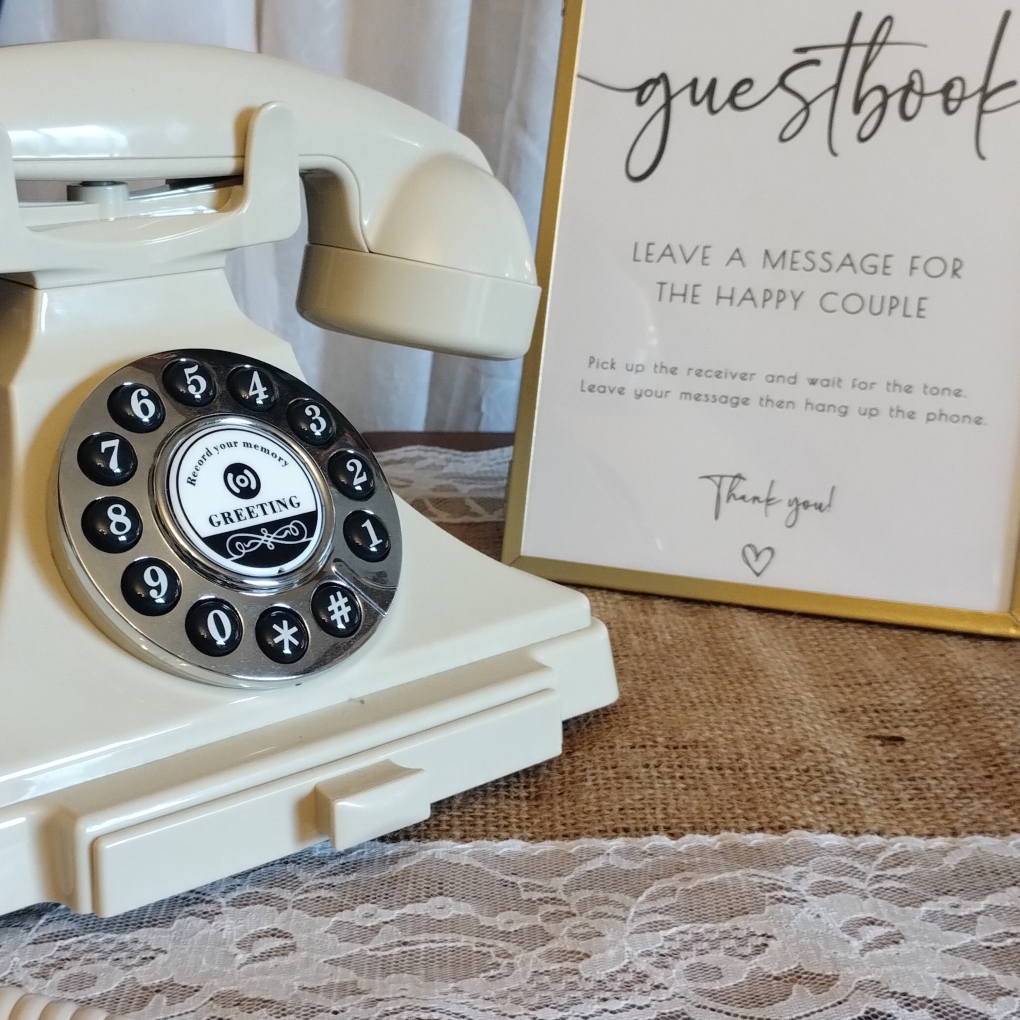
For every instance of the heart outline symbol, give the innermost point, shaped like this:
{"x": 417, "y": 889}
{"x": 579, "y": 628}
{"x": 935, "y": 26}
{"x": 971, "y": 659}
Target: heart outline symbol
{"x": 752, "y": 556}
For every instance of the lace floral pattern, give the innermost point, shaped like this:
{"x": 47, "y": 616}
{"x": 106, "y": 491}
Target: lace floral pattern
{"x": 450, "y": 486}
{"x": 800, "y": 926}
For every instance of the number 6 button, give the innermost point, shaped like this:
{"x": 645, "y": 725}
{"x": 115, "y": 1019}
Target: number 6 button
{"x": 136, "y": 408}
{"x": 367, "y": 536}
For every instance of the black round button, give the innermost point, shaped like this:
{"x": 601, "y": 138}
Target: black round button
{"x": 367, "y": 536}
{"x": 311, "y": 422}
{"x": 282, "y": 634}
{"x": 107, "y": 459}
{"x": 336, "y": 609}
{"x": 213, "y": 627}
{"x": 136, "y": 408}
{"x": 253, "y": 388}
{"x": 351, "y": 474}
{"x": 112, "y": 525}
{"x": 189, "y": 383}
{"x": 150, "y": 587}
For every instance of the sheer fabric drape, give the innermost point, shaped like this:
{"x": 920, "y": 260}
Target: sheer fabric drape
{"x": 484, "y": 66}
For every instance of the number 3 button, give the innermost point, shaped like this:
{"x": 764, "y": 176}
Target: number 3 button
{"x": 311, "y": 422}
{"x": 367, "y": 536}
{"x": 112, "y": 525}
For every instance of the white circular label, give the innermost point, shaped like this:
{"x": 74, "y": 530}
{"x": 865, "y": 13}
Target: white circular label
{"x": 245, "y": 500}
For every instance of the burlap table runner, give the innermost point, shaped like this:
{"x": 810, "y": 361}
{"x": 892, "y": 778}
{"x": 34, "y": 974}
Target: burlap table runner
{"x": 743, "y": 720}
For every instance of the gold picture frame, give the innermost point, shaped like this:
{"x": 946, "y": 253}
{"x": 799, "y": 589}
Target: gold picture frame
{"x": 999, "y": 624}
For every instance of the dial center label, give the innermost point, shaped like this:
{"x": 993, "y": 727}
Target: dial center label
{"x": 245, "y": 500}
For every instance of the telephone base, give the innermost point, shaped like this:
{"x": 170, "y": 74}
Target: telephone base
{"x": 518, "y": 656}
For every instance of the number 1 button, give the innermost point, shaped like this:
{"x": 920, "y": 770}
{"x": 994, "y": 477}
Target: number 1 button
{"x": 367, "y": 536}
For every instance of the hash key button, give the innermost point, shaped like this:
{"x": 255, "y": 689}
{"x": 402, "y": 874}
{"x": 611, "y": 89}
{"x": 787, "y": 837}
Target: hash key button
{"x": 253, "y": 388}
{"x": 107, "y": 459}
{"x": 336, "y": 610}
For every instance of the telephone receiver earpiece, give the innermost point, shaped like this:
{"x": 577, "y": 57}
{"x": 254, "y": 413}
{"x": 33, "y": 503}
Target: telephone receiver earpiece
{"x": 411, "y": 238}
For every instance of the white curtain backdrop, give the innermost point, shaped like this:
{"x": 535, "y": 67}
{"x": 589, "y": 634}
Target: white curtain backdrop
{"x": 486, "y": 67}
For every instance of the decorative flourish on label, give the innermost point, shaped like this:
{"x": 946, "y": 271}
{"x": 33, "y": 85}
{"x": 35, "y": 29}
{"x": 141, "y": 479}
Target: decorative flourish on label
{"x": 238, "y": 546}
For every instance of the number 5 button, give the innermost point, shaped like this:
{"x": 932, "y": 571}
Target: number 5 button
{"x": 367, "y": 536}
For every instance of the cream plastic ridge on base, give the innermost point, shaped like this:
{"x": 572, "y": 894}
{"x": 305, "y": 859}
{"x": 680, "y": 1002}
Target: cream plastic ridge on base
{"x": 350, "y": 678}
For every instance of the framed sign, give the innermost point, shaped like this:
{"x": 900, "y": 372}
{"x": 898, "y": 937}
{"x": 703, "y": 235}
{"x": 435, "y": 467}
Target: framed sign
{"x": 778, "y": 359}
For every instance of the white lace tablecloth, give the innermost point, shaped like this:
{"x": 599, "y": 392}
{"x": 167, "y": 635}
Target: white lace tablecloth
{"x": 744, "y": 927}
{"x": 696, "y": 929}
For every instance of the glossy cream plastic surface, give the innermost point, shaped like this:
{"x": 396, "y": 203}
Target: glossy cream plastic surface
{"x": 380, "y": 178}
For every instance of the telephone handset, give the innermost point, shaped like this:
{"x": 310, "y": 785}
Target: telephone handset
{"x": 218, "y": 517}
{"x": 178, "y": 505}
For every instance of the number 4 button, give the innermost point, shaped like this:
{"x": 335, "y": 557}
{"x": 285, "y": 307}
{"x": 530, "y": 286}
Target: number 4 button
{"x": 253, "y": 388}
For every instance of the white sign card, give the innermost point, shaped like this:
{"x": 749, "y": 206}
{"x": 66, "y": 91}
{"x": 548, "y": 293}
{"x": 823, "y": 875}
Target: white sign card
{"x": 779, "y": 358}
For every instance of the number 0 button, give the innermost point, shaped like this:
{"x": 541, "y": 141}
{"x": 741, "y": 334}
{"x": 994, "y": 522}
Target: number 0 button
{"x": 213, "y": 627}
{"x": 150, "y": 587}
{"x": 367, "y": 536}
{"x": 112, "y": 525}
{"x": 189, "y": 383}
{"x": 136, "y": 408}
{"x": 107, "y": 459}
{"x": 282, "y": 634}
{"x": 311, "y": 422}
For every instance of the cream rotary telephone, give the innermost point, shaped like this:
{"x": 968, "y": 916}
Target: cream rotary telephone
{"x": 222, "y": 638}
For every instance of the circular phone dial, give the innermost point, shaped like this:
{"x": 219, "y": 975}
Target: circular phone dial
{"x": 220, "y": 519}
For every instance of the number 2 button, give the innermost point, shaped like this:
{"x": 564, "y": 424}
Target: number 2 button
{"x": 107, "y": 459}
{"x": 351, "y": 475}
